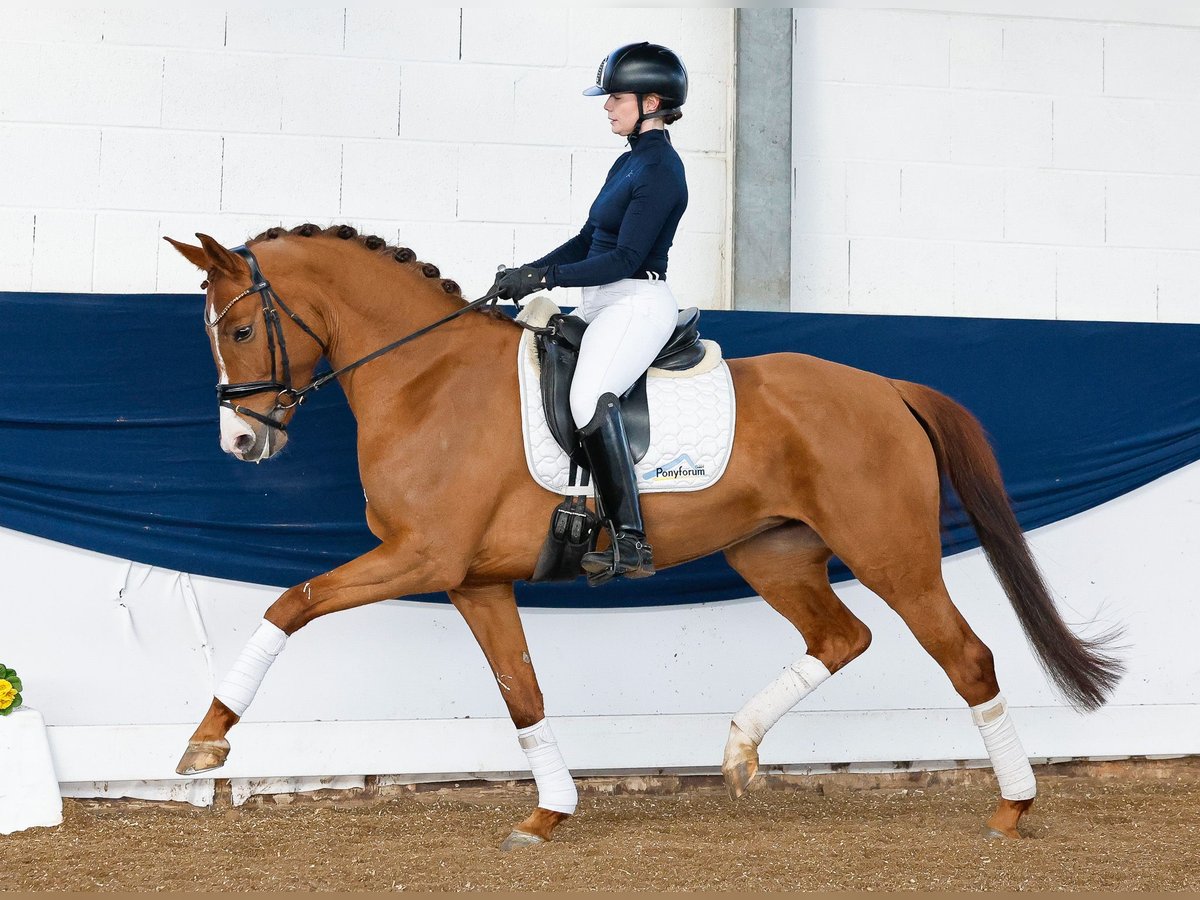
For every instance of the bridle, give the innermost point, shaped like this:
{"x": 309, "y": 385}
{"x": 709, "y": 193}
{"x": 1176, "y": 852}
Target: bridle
{"x": 287, "y": 396}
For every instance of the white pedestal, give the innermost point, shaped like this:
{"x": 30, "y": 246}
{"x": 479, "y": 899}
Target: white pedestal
{"x": 29, "y": 794}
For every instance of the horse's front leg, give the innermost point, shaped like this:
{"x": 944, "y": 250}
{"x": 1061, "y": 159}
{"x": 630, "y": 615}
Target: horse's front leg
{"x": 383, "y": 573}
{"x": 491, "y": 614}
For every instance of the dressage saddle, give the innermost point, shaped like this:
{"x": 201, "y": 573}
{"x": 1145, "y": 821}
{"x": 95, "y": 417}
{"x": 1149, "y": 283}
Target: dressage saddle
{"x": 558, "y": 353}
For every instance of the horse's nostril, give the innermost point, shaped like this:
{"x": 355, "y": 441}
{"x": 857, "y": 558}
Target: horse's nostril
{"x": 243, "y": 442}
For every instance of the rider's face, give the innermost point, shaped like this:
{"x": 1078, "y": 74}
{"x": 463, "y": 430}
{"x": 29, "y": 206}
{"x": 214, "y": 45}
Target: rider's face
{"x": 622, "y": 110}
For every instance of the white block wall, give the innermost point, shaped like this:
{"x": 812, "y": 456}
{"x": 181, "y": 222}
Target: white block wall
{"x": 995, "y": 165}
{"x": 460, "y": 133}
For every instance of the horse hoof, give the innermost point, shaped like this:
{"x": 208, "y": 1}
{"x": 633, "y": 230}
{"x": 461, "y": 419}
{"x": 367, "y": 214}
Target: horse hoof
{"x": 519, "y": 839}
{"x": 740, "y": 764}
{"x": 994, "y": 834}
{"x": 203, "y": 756}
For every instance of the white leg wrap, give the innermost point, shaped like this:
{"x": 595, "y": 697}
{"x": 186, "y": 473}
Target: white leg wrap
{"x": 1009, "y": 761}
{"x": 768, "y": 706}
{"x": 241, "y": 684}
{"x": 556, "y": 788}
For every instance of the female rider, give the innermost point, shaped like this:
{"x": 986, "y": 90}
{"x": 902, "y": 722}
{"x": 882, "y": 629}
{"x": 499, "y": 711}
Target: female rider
{"x": 619, "y": 258}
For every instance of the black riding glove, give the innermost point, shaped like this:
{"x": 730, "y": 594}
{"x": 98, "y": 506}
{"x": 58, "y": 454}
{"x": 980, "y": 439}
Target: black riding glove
{"x": 513, "y": 284}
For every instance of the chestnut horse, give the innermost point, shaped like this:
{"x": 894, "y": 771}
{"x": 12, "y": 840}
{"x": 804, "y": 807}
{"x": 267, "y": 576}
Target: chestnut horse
{"x": 859, "y": 456}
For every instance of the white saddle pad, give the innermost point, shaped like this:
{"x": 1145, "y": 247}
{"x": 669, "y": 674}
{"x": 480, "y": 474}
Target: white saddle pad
{"x": 691, "y": 421}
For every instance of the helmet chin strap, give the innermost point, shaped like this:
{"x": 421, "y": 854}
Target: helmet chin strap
{"x": 642, "y": 117}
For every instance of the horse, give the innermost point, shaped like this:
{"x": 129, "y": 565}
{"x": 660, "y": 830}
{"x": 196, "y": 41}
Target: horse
{"x": 860, "y": 460}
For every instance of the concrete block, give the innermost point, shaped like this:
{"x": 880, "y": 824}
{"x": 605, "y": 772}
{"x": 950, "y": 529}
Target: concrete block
{"x": 1120, "y": 135}
{"x": 575, "y": 121}
{"x": 340, "y": 97}
{"x": 515, "y": 35}
{"x": 705, "y": 123}
{"x": 820, "y": 273}
{"x": 593, "y": 32}
{"x": 705, "y": 42}
{"x": 707, "y": 182}
{"x": 467, "y": 252}
{"x": 873, "y": 198}
{"x": 1148, "y": 61}
{"x": 396, "y": 32}
{"x": 1029, "y": 55}
{"x": 1154, "y": 211}
{"x": 481, "y": 98}
{"x": 589, "y": 168}
{"x": 819, "y": 190}
{"x": 697, "y": 271}
{"x": 1107, "y": 285}
{"x": 223, "y": 91}
{"x": 126, "y": 252}
{"x": 80, "y": 84}
{"x": 46, "y": 24}
{"x": 833, "y": 121}
{"x": 175, "y": 274}
{"x": 165, "y": 26}
{"x": 1000, "y": 129}
{"x": 1042, "y": 206}
{"x": 286, "y": 29}
{"x": 952, "y": 202}
{"x": 514, "y": 184}
{"x": 49, "y": 165}
{"x": 402, "y": 180}
{"x": 16, "y": 249}
{"x": 901, "y": 277}
{"x": 29, "y": 795}
{"x": 1179, "y": 287}
{"x": 1007, "y": 281}
{"x": 161, "y": 170}
{"x": 872, "y": 46}
{"x": 62, "y": 250}
{"x": 288, "y": 176}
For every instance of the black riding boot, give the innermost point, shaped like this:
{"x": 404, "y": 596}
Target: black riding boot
{"x": 607, "y": 448}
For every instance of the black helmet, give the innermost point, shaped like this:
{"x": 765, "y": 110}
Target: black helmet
{"x": 643, "y": 68}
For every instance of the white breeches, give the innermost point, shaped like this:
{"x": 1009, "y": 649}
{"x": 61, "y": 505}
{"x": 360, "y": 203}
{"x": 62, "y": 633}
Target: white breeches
{"x": 629, "y": 322}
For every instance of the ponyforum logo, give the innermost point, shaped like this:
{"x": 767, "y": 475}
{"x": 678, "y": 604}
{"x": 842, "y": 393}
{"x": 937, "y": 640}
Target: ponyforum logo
{"x": 682, "y": 466}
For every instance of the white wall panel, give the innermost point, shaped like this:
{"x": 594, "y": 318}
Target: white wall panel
{"x": 183, "y": 96}
{"x": 1075, "y": 136}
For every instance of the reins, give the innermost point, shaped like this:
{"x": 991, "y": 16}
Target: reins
{"x": 227, "y": 394}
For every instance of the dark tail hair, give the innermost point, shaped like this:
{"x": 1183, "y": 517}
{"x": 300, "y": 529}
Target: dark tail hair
{"x": 1081, "y": 668}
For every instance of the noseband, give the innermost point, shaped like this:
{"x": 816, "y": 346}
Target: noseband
{"x": 286, "y": 395}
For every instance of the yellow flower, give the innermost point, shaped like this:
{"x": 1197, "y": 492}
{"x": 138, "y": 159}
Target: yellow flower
{"x": 7, "y": 693}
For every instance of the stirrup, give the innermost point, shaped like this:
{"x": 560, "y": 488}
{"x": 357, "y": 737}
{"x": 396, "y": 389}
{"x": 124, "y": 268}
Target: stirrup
{"x": 608, "y": 564}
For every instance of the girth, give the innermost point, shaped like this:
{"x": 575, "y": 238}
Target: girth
{"x": 558, "y": 354}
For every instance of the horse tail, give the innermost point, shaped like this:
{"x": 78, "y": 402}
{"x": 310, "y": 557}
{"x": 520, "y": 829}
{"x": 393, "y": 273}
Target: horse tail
{"x": 1081, "y": 668}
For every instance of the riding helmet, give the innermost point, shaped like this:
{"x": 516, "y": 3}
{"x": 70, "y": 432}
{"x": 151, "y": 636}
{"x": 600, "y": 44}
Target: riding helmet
{"x": 643, "y": 68}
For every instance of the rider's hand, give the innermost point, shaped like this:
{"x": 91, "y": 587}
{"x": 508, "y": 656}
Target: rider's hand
{"x": 513, "y": 284}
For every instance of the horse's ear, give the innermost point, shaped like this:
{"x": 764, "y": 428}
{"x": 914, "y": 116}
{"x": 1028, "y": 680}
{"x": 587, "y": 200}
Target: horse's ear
{"x": 221, "y": 259}
{"x": 195, "y": 255}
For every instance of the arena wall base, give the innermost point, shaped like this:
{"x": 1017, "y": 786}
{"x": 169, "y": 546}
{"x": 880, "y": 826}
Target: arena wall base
{"x": 139, "y": 760}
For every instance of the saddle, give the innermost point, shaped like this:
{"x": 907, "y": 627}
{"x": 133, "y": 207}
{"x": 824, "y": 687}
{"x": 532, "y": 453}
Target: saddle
{"x": 558, "y": 354}
{"x": 573, "y": 527}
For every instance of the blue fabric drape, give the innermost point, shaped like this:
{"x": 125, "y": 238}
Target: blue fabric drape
{"x": 108, "y": 432}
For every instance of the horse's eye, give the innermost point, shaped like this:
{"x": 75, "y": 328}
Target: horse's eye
{"x": 243, "y": 333}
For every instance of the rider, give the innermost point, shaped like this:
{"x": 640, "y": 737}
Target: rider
{"x": 619, "y": 258}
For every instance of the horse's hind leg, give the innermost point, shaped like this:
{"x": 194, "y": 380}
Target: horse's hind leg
{"x": 903, "y": 566}
{"x": 491, "y": 613}
{"x": 787, "y": 567}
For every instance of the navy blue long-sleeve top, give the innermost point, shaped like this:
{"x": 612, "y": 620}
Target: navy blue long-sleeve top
{"x": 632, "y": 221}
